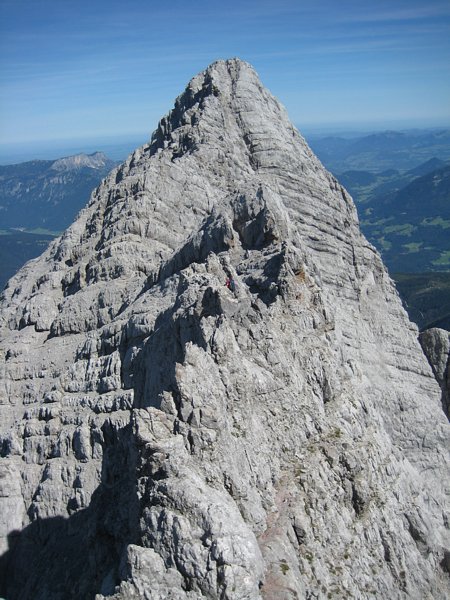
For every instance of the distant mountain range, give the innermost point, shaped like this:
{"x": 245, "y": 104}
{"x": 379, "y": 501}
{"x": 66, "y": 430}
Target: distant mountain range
{"x": 364, "y": 185}
{"x": 405, "y": 215}
{"x": 426, "y": 297}
{"x": 380, "y": 151}
{"x": 39, "y": 199}
{"x": 47, "y": 194}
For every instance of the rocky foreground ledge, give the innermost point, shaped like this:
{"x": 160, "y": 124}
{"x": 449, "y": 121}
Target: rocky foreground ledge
{"x": 164, "y": 436}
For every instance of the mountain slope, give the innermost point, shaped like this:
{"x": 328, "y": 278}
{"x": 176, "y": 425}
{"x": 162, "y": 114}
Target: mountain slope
{"x": 411, "y": 226}
{"x": 426, "y": 297}
{"x": 404, "y": 216}
{"x": 365, "y": 186}
{"x": 16, "y": 248}
{"x": 283, "y": 440}
{"x": 49, "y": 193}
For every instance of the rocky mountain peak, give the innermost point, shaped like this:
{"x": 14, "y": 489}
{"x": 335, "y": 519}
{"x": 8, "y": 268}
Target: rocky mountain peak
{"x": 210, "y": 385}
{"x": 95, "y": 160}
{"x": 225, "y": 100}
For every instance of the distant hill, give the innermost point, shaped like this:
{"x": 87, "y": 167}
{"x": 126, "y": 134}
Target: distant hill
{"x": 411, "y": 226}
{"x": 16, "y": 248}
{"x": 427, "y": 167}
{"x": 47, "y": 194}
{"x": 365, "y": 186}
{"x": 426, "y": 297}
{"x": 39, "y": 199}
{"x": 376, "y": 152}
{"x": 424, "y": 197}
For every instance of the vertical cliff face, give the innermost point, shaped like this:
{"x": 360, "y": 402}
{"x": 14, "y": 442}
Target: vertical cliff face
{"x": 435, "y": 343}
{"x": 165, "y": 436}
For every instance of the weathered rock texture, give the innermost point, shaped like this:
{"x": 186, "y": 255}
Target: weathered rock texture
{"x": 436, "y": 345}
{"x": 166, "y": 438}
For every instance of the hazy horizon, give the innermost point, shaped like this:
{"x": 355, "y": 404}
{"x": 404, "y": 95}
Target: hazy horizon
{"x": 104, "y": 68}
{"x": 118, "y": 147}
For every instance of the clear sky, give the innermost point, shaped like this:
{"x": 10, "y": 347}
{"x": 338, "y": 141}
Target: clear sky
{"x": 78, "y": 68}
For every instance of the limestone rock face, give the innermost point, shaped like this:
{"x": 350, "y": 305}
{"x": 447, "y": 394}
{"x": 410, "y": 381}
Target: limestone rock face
{"x": 166, "y": 437}
{"x": 436, "y": 345}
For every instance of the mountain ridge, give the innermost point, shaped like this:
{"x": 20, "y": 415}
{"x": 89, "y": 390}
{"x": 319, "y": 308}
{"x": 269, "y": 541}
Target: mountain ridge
{"x": 375, "y": 152}
{"x": 201, "y": 442}
{"x": 412, "y": 222}
{"x": 94, "y": 160}
{"x": 49, "y": 193}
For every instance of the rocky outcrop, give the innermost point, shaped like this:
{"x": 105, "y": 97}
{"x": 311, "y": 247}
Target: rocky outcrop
{"x": 436, "y": 345}
{"x": 164, "y": 436}
{"x": 96, "y": 160}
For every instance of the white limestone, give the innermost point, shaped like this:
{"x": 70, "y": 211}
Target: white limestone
{"x": 175, "y": 439}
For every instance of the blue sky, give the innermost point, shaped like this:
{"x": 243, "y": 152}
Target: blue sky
{"x": 86, "y": 69}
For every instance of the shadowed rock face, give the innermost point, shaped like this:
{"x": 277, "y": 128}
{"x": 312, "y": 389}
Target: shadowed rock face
{"x": 165, "y": 437}
{"x": 436, "y": 345}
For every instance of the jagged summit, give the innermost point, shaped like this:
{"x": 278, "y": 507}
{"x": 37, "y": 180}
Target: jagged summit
{"x": 227, "y": 96}
{"x": 277, "y": 437}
